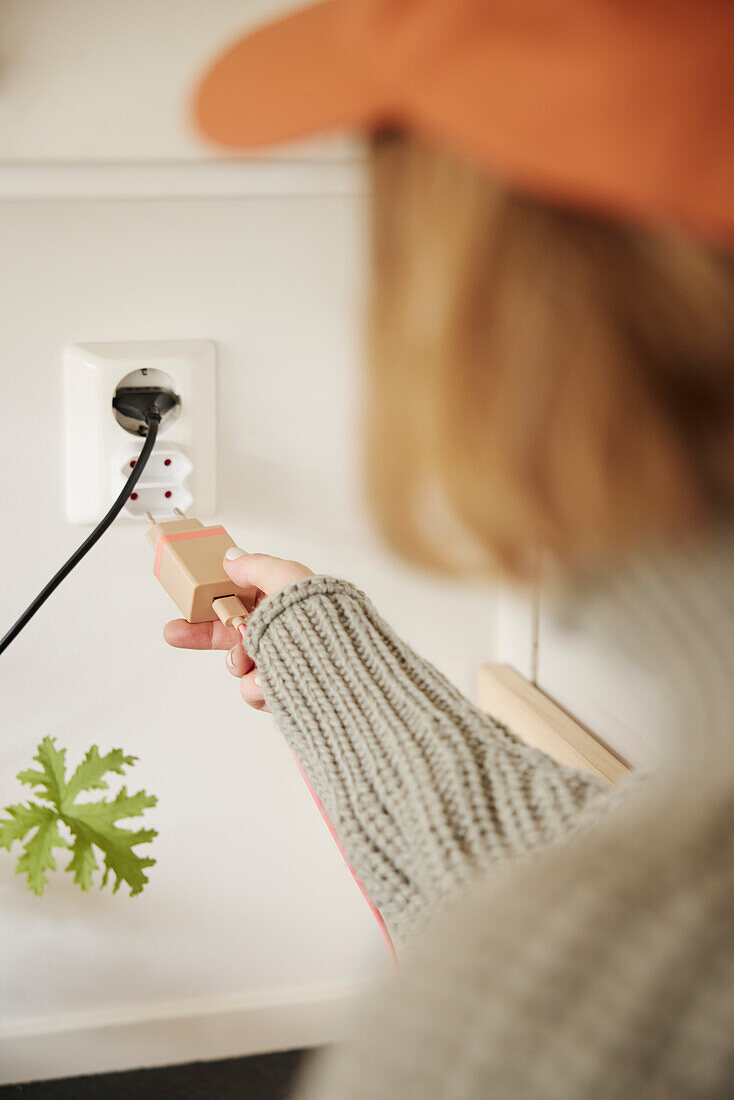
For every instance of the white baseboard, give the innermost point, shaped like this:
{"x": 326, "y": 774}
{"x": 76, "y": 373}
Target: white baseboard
{"x": 172, "y": 1033}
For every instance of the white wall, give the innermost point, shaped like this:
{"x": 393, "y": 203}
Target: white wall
{"x": 251, "y": 934}
{"x": 570, "y": 646}
{"x": 110, "y": 81}
{"x": 249, "y": 899}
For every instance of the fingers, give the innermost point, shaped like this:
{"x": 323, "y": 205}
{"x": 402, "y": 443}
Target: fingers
{"x": 262, "y": 571}
{"x": 251, "y": 691}
{"x": 238, "y": 662}
{"x": 214, "y": 635}
{"x": 263, "y": 575}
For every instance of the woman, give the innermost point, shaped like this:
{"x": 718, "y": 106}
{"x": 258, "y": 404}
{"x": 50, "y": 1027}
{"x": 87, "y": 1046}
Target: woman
{"x": 552, "y": 364}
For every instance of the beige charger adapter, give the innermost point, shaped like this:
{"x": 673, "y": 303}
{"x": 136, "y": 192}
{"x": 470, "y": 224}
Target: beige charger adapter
{"x": 188, "y": 563}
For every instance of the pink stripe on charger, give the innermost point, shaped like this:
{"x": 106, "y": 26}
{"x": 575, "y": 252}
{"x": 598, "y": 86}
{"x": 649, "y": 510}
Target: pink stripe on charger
{"x": 176, "y": 536}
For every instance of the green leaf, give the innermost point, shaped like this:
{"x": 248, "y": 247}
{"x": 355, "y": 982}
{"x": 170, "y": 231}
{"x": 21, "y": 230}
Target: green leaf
{"x": 106, "y": 812}
{"x": 126, "y": 866}
{"x": 88, "y": 775}
{"x": 83, "y": 862}
{"x": 93, "y": 825}
{"x": 38, "y": 853}
{"x": 20, "y": 821}
{"x": 52, "y": 777}
{"x": 32, "y": 777}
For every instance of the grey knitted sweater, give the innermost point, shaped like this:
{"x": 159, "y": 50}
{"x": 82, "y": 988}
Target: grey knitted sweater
{"x": 557, "y": 939}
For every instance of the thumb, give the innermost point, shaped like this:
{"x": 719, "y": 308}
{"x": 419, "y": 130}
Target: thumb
{"x": 262, "y": 571}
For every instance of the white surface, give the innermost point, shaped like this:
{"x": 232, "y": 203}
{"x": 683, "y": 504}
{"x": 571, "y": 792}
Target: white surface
{"x": 96, "y": 445}
{"x": 625, "y": 703}
{"x": 249, "y": 899}
{"x": 516, "y": 635}
{"x": 111, "y": 1041}
{"x": 180, "y": 180}
{"x": 112, "y": 80}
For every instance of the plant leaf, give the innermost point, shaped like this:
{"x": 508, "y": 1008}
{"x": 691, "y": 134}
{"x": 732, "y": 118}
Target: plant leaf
{"x": 38, "y": 853}
{"x": 51, "y": 778}
{"x": 88, "y": 775}
{"x": 32, "y": 777}
{"x": 92, "y": 824}
{"x": 95, "y": 823}
{"x": 83, "y": 861}
{"x": 106, "y": 812}
{"x": 21, "y": 819}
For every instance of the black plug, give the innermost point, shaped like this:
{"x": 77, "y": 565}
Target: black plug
{"x": 143, "y": 404}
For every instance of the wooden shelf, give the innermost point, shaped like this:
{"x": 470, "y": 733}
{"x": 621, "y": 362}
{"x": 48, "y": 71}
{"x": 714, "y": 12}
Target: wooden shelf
{"x": 507, "y": 696}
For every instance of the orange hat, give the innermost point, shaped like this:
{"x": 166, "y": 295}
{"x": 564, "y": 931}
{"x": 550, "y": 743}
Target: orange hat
{"x": 621, "y": 105}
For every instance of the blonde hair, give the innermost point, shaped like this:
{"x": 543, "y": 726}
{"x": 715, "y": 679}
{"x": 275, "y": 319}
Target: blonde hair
{"x": 539, "y": 378}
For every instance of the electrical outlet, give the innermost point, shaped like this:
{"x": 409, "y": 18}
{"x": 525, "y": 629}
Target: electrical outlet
{"x": 163, "y": 486}
{"x": 167, "y": 465}
{"x": 161, "y": 501}
{"x": 181, "y": 471}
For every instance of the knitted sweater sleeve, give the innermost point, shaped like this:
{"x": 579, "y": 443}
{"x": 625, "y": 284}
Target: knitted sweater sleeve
{"x": 600, "y": 967}
{"x": 421, "y": 787}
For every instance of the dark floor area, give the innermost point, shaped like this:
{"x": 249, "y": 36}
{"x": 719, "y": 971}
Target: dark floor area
{"x": 262, "y": 1077}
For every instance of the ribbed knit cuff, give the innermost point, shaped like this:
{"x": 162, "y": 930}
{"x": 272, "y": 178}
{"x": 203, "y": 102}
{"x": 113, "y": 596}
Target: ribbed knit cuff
{"x": 292, "y": 594}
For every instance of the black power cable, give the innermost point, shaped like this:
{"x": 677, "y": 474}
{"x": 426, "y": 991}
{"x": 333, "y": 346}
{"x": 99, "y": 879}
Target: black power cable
{"x": 152, "y": 417}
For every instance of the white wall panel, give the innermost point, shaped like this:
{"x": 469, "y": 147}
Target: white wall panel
{"x": 626, "y": 700}
{"x": 111, "y": 80}
{"x": 251, "y": 934}
{"x": 249, "y": 901}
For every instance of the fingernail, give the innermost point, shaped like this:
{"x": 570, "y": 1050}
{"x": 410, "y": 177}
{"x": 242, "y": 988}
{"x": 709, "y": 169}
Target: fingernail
{"x": 230, "y": 659}
{"x": 234, "y": 552}
{"x": 256, "y": 681}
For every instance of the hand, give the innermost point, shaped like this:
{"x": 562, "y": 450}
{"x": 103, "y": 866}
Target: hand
{"x": 264, "y": 576}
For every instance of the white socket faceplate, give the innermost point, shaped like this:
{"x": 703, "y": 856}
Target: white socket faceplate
{"x": 97, "y": 446}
